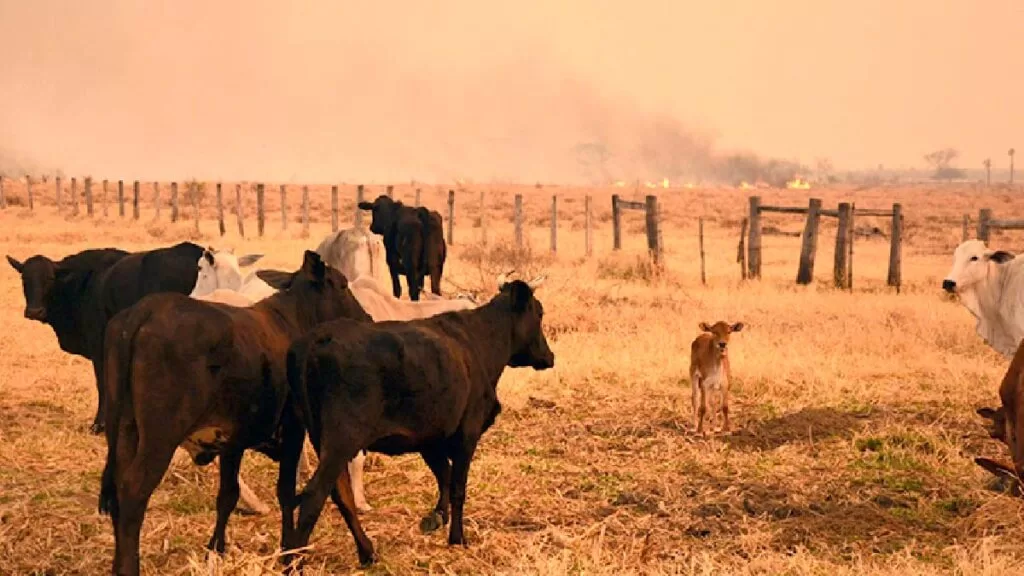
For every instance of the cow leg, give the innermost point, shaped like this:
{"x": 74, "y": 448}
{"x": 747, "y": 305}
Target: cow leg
{"x": 435, "y": 278}
{"x": 101, "y": 403}
{"x": 725, "y": 409}
{"x": 396, "y": 287}
{"x": 461, "y": 458}
{"x": 437, "y": 460}
{"x": 345, "y": 501}
{"x": 293, "y": 440}
{"x": 702, "y": 409}
{"x": 355, "y": 471}
{"x": 135, "y": 486}
{"x": 227, "y": 496}
{"x": 695, "y": 385}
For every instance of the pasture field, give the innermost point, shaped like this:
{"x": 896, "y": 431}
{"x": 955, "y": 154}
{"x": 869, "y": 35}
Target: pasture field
{"x": 854, "y": 423}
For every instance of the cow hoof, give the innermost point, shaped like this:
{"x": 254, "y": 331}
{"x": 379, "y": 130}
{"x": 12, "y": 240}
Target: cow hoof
{"x": 97, "y": 428}
{"x": 431, "y": 522}
{"x": 366, "y": 562}
{"x": 364, "y": 508}
{"x": 457, "y": 541}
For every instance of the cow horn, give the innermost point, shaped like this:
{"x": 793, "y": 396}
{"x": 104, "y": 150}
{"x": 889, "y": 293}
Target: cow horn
{"x": 536, "y": 282}
{"x": 504, "y": 277}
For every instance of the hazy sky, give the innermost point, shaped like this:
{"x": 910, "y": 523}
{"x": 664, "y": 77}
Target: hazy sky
{"x": 344, "y": 91}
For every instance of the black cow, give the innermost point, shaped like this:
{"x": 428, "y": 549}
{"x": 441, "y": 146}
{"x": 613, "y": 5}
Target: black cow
{"x": 79, "y": 294}
{"x": 413, "y": 243}
{"x": 181, "y": 371}
{"x": 426, "y": 386}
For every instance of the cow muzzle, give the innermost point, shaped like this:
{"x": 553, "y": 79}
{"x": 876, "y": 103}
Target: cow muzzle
{"x": 949, "y": 286}
{"x": 38, "y": 314}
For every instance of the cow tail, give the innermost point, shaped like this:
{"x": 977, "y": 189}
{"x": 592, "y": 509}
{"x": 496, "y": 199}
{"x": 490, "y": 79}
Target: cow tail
{"x": 298, "y": 386}
{"x": 117, "y": 380}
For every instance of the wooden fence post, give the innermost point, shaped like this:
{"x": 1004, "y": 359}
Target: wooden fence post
{"x": 31, "y": 199}
{"x": 334, "y": 208}
{"x": 653, "y": 231}
{"x": 136, "y": 187}
{"x": 120, "y": 198}
{"x": 809, "y": 244}
{"x": 220, "y": 211}
{"x": 239, "y": 210}
{"x": 965, "y": 233}
{"x": 104, "y": 197}
{"x": 896, "y": 248}
{"x": 586, "y": 224}
{"x": 700, "y": 241}
{"x": 741, "y": 252}
{"x": 3, "y": 200}
{"x": 616, "y": 223}
{"x": 305, "y": 211}
{"x": 984, "y": 215}
{"x": 391, "y": 190}
{"x": 260, "y": 214}
{"x": 174, "y": 201}
{"x": 517, "y": 217}
{"x": 156, "y": 198}
{"x": 554, "y": 223}
{"x": 193, "y": 199}
{"x": 849, "y": 247}
{"x": 754, "y": 239}
{"x": 359, "y": 212}
{"x": 417, "y": 197}
{"x": 88, "y": 196}
{"x": 284, "y": 207}
{"x": 483, "y": 220}
{"x": 74, "y": 196}
{"x": 60, "y": 195}
{"x": 840, "y": 268}
{"x": 451, "y": 217}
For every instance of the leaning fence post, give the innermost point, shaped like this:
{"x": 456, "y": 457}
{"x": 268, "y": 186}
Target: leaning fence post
{"x": 653, "y": 231}
{"x": 104, "y": 197}
{"x": 896, "y": 248}
{"x": 700, "y": 241}
{"x": 741, "y": 252}
{"x": 60, "y": 195}
{"x": 616, "y": 229}
{"x": 359, "y": 199}
{"x": 239, "y": 210}
{"x": 334, "y": 208}
{"x": 754, "y": 239}
{"x": 260, "y": 214}
{"x": 517, "y": 217}
{"x": 220, "y": 211}
{"x": 809, "y": 244}
{"x": 451, "y": 217}
{"x": 840, "y": 268}
{"x": 305, "y": 211}
{"x": 984, "y": 216}
{"x": 284, "y": 207}
{"x": 554, "y": 223}
{"x": 135, "y": 200}
{"x": 586, "y": 224}
{"x": 174, "y": 201}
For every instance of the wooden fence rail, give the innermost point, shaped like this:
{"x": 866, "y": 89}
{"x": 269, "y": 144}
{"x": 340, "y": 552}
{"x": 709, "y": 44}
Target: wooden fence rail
{"x": 986, "y": 223}
{"x": 653, "y": 224}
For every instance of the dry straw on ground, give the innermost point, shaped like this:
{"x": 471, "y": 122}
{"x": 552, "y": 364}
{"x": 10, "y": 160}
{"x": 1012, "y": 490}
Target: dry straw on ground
{"x": 854, "y": 412}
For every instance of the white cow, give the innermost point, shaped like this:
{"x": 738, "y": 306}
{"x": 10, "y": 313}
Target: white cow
{"x": 220, "y": 280}
{"x": 354, "y": 252}
{"x": 990, "y": 283}
{"x": 382, "y": 305}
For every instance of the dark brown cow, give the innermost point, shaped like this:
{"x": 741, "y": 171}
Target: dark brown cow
{"x": 181, "y": 371}
{"x": 426, "y": 386}
{"x": 79, "y": 294}
{"x": 1007, "y": 421}
{"x": 413, "y": 243}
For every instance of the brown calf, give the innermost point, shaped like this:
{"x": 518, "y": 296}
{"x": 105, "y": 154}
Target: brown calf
{"x": 709, "y": 370}
{"x": 1007, "y": 422}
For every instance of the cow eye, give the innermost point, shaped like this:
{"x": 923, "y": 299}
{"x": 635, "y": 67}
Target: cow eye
{"x": 973, "y": 258}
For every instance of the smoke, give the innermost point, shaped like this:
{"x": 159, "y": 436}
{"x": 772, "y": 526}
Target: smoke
{"x": 329, "y": 93}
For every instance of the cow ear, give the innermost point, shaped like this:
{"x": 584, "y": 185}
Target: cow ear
{"x": 521, "y": 295}
{"x": 996, "y": 468}
{"x": 248, "y": 260}
{"x": 208, "y": 255}
{"x": 736, "y": 327}
{"x": 15, "y": 264}
{"x": 1000, "y": 256}
{"x": 313, "y": 265}
{"x": 277, "y": 279}
{"x": 704, "y": 327}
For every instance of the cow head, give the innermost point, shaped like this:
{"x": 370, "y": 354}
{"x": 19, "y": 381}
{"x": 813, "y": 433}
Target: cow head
{"x": 321, "y": 292}
{"x": 971, "y": 264}
{"x": 221, "y": 270}
{"x": 529, "y": 346}
{"x": 39, "y": 274}
{"x": 997, "y": 422}
{"x": 720, "y": 332}
{"x": 384, "y": 214}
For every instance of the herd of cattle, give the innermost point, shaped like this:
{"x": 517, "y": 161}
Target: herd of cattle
{"x": 189, "y": 352}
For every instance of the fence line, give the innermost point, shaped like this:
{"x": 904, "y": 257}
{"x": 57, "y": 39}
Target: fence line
{"x": 986, "y": 223}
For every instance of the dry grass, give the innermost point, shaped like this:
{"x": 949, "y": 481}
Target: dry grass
{"x": 855, "y": 412}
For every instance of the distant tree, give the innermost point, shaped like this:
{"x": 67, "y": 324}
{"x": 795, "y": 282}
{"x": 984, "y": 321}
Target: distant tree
{"x": 824, "y": 169}
{"x": 941, "y": 162}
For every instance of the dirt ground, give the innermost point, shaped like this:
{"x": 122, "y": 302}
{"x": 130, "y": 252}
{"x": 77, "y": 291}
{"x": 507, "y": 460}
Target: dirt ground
{"x": 853, "y": 412}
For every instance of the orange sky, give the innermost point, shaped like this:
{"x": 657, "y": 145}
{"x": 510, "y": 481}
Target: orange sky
{"x": 339, "y": 91}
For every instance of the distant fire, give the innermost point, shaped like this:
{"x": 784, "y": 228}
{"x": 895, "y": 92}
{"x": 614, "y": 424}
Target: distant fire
{"x": 620, "y": 184}
{"x": 664, "y": 182}
{"x": 798, "y": 184}
{"x": 745, "y": 185}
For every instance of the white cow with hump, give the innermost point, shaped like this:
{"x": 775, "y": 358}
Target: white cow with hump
{"x": 990, "y": 284}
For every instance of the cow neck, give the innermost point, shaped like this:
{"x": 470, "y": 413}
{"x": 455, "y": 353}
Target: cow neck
{"x": 283, "y": 310}
{"x": 987, "y": 295}
{"x": 492, "y": 324}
